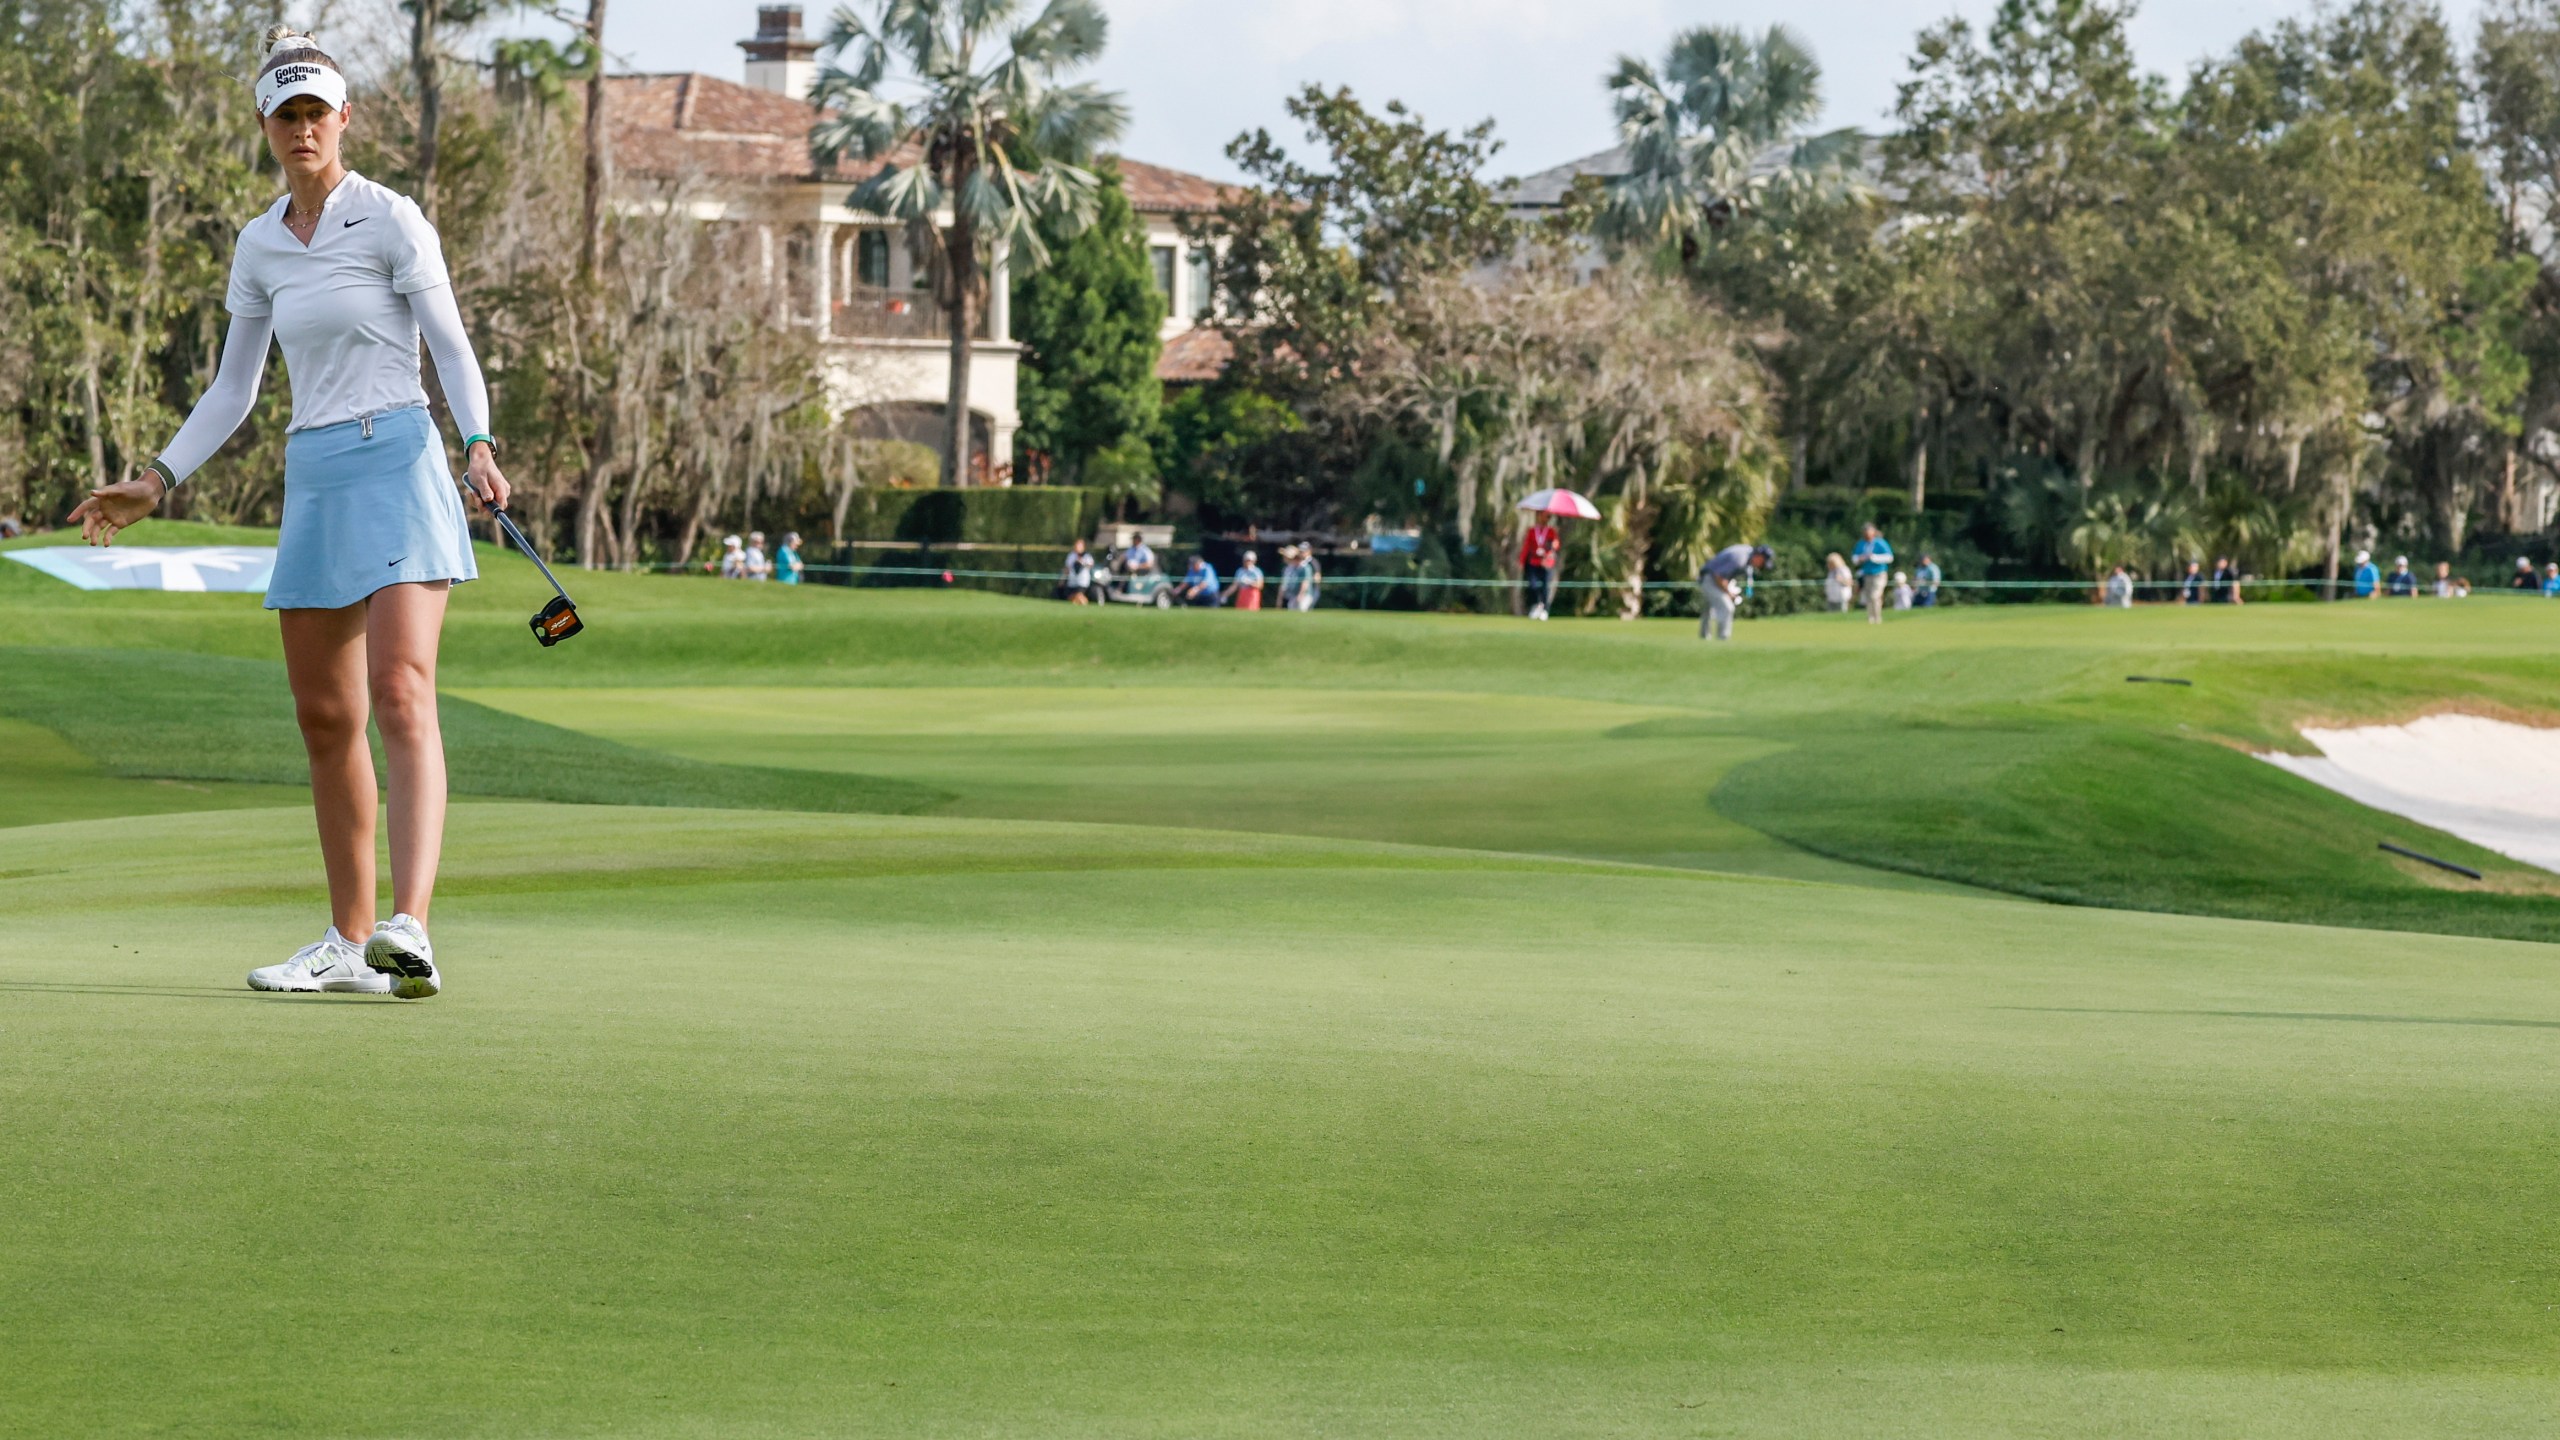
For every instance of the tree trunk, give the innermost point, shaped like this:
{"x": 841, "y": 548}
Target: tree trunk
{"x": 960, "y": 268}
{"x": 2337, "y": 525}
{"x": 593, "y": 528}
{"x": 92, "y": 415}
{"x": 1796, "y": 479}
{"x": 627, "y": 533}
{"x": 1919, "y": 460}
{"x": 2088, "y": 463}
{"x": 1636, "y": 517}
{"x": 2329, "y": 569}
{"x": 428, "y": 19}
{"x": 599, "y": 161}
{"x": 848, "y": 480}
{"x": 2508, "y": 520}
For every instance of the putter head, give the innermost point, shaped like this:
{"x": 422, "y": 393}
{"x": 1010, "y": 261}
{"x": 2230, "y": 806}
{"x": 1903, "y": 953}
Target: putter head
{"x": 557, "y": 622}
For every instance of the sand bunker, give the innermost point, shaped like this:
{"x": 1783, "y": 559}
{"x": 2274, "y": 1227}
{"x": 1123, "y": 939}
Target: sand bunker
{"x": 2493, "y": 783}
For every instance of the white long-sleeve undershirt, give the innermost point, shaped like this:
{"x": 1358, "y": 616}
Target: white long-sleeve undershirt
{"x": 457, "y": 370}
{"x": 227, "y": 401}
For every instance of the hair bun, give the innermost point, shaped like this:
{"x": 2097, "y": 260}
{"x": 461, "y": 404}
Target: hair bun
{"x": 281, "y": 38}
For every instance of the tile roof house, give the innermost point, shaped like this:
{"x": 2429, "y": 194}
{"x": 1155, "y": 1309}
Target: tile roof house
{"x": 741, "y": 152}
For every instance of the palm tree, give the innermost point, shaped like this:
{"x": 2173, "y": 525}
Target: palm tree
{"x": 988, "y": 137}
{"x": 1696, "y": 130}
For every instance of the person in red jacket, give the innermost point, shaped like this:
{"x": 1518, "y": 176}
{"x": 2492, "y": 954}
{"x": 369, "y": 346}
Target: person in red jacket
{"x": 1539, "y": 551}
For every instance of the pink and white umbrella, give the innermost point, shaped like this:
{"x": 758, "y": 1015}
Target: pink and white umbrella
{"x": 1567, "y": 503}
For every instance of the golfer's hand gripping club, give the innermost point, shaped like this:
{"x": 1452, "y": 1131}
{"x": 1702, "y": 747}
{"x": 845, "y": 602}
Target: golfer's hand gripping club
{"x": 558, "y": 620}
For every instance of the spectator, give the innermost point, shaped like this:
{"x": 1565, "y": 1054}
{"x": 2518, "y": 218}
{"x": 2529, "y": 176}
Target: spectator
{"x": 2551, "y": 580}
{"x": 786, "y": 561}
{"x": 2368, "y": 579}
{"x": 1199, "y": 583}
{"x": 2119, "y": 589}
{"x": 2402, "y": 581}
{"x": 1539, "y": 551}
{"x": 1720, "y": 584}
{"x": 758, "y": 567}
{"x": 1310, "y": 580}
{"x": 1902, "y": 594}
{"x": 11, "y": 527}
{"x": 1836, "y": 584}
{"x": 1075, "y": 578}
{"x": 1291, "y": 577}
{"x": 2226, "y": 582}
{"x": 2444, "y": 579}
{"x": 1873, "y": 557}
{"x": 2191, "y": 586}
{"x": 1925, "y": 582}
{"x": 733, "y": 560}
{"x": 1248, "y": 583}
{"x": 2524, "y": 578}
{"x": 1138, "y": 559}
{"x": 2461, "y": 587}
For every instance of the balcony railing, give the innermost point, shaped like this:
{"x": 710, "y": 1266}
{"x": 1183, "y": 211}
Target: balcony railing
{"x": 872, "y": 312}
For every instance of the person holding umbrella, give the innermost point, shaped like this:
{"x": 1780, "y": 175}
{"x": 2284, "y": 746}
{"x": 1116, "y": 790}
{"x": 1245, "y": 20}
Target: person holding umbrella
{"x": 1543, "y": 546}
{"x": 1539, "y": 550}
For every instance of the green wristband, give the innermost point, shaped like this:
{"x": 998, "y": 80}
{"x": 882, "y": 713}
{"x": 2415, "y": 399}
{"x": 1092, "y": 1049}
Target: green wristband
{"x": 470, "y": 440}
{"x": 168, "y": 477}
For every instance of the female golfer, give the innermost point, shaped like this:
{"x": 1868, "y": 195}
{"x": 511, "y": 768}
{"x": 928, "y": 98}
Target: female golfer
{"x": 347, "y": 276}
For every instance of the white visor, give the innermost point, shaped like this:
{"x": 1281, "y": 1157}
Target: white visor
{"x": 300, "y": 77}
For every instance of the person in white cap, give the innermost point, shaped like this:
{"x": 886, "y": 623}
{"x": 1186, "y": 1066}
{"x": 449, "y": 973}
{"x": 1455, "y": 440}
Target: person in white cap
{"x": 348, "y": 277}
{"x": 733, "y": 558}
{"x": 758, "y": 567}
{"x": 2402, "y": 582}
{"x": 2368, "y": 578}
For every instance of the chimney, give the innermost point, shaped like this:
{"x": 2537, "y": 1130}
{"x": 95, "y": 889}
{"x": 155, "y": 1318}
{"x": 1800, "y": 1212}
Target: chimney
{"x": 780, "y": 58}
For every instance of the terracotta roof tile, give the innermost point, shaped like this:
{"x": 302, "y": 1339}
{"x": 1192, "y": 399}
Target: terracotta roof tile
{"x": 1155, "y": 188}
{"x": 1195, "y": 356}
{"x": 666, "y": 125}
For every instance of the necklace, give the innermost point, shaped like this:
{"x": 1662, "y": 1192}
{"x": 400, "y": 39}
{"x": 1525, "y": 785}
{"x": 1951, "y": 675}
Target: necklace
{"x": 294, "y": 212}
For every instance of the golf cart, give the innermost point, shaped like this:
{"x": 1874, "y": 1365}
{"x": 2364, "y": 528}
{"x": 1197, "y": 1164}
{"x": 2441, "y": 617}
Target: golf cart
{"x": 1122, "y": 583}
{"x": 1150, "y": 586}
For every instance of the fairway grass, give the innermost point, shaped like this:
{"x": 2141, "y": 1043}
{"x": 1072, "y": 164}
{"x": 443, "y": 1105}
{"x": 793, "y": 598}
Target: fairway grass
{"x": 759, "y": 1124}
{"x": 1524, "y": 774}
{"x": 972, "y": 1017}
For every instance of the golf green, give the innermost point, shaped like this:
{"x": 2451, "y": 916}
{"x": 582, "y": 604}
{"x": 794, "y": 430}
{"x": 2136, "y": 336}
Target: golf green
{"x": 1241, "y": 1025}
{"x": 753, "y": 1124}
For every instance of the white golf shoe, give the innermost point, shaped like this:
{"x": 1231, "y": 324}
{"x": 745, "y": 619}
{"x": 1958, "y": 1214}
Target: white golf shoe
{"x": 332, "y": 963}
{"x": 399, "y": 950}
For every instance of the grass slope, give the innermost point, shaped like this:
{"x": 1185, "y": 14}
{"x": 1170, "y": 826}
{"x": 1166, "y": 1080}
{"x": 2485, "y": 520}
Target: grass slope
{"x": 201, "y": 717}
{"x": 1815, "y": 746}
{"x": 1070, "y": 1130}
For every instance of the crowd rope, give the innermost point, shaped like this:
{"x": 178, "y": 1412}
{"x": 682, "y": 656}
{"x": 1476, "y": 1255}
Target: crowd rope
{"x": 953, "y": 573}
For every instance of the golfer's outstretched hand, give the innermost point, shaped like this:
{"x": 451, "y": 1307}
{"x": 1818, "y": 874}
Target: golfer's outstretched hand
{"x": 111, "y": 508}
{"x": 488, "y": 486}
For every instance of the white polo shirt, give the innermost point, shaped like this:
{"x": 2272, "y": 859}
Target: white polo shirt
{"x": 341, "y": 304}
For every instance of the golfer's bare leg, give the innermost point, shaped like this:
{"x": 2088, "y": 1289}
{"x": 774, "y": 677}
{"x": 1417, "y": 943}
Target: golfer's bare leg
{"x": 324, "y": 661}
{"x": 403, "y": 624}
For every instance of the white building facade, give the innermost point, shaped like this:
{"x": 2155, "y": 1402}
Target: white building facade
{"x": 743, "y": 151}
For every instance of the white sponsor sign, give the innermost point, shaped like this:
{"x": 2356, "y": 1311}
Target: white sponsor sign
{"x": 145, "y": 567}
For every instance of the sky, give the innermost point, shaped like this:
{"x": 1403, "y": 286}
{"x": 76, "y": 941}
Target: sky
{"x": 1199, "y": 72}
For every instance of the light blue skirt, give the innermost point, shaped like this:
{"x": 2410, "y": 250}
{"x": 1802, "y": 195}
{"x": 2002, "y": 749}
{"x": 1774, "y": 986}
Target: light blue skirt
{"x": 362, "y": 511}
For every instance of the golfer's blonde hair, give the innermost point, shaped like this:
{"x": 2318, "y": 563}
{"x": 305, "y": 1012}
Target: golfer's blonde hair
{"x": 289, "y": 46}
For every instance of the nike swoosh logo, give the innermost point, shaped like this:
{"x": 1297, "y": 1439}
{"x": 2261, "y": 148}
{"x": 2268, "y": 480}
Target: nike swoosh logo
{"x": 350, "y": 225}
{"x": 396, "y": 563}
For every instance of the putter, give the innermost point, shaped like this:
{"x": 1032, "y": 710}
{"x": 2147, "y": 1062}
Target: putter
{"x": 558, "y": 620}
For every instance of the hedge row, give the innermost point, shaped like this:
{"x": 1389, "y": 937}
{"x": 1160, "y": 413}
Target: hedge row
{"x": 1014, "y": 515}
